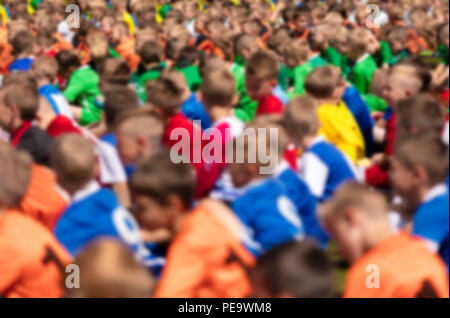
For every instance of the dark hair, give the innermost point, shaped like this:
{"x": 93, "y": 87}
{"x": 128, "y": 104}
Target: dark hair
{"x": 158, "y": 177}
{"x": 301, "y": 269}
{"x": 22, "y": 42}
{"x": 117, "y": 100}
{"x": 24, "y": 97}
{"x": 67, "y": 59}
{"x": 150, "y": 52}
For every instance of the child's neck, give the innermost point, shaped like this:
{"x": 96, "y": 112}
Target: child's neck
{"x": 308, "y": 141}
{"x": 380, "y": 230}
{"x": 219, "y": 112}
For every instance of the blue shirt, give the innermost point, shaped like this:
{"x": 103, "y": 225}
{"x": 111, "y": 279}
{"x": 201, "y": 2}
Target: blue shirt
{"x": 268, "y": 214}
{"x": 282, "y": 96}
{"x": 360, "y": 111}
{"x": 431, "y": 220}
{"x": 194, "y": 110}
{"x": 56, "y": 100}
{"x": 23, "y": 64}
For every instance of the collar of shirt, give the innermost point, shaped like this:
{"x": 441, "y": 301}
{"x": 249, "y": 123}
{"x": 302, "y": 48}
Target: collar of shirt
{"x": 362, "y": 58}
{"x": 316, "y": 140}
{"x": 88, "y": 190}
{"x": 18, "y": 133}
{"x": 435, "y": 192}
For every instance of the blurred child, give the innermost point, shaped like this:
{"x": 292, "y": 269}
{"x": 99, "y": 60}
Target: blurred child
{"x": 94, "y": 212}
{"x": 323, "y": 166}
{"x": 82, "y": 88}
{"x": 293, "y": 270}
{"x": 364, "y": 66}
{"x": 45, "y": 71}
{"x": 150, "y": 68}
{"x": 397, "y": 38}
{"x": 19, "y": 104}
{"x": 300, "y": 23}
{"x": 109, "y": 270}
{"x": 22, "y": 44}
{"x": 419, "y": 178}
{"x": 187, "y": 63}
{"x": 207, "y": 255}
{"x": 338, "y": 125}
{"x": 32, "y": 261}
{"x": 124, "y": 43}
{"x": 384, "y": 264}
{"x": 261, "y": 77}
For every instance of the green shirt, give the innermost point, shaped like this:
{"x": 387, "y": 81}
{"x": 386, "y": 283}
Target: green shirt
{"x": 375, "y": 103}
{"x": 192, "y": 75}
{"x": 384, "y": 55}
{"x": 362, "y": 74}
{"x": 246, "y": 108}
{"x": 398, "y": 57}
{"x": 83, "y": 89}
{"x": 332, "y": 56}
{"x": 442, "y": 53}
{"x": 300, "y": 73}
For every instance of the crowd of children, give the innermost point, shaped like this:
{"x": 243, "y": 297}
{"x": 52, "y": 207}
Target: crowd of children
{"x": 116, "y": 125}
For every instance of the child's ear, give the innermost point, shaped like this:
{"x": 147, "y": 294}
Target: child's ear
{"x": 176, "y": 204}
{"x": 351, "y": 216}
{"x": 421, "y": 175}
{"x": 235, "y": 100}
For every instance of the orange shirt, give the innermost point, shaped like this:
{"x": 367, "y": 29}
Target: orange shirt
{"x": 126, "y": 49}
{"x": 43, "y": 201}
{"x": 31, "y": 260}
{"x": 406, "y": 269}
{"x": 6, "y": 57}
{"x": 206, "y": 259}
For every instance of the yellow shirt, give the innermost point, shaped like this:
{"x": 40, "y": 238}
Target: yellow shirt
{"x": 339, "y": 127}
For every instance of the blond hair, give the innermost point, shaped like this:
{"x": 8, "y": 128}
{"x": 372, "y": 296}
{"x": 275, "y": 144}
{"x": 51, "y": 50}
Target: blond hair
{"x": 301, "y": 117}
{"x": 218, "y": 88}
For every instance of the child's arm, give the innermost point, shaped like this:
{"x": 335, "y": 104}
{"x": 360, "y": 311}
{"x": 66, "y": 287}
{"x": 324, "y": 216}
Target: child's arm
{"x": 74, "y": 89}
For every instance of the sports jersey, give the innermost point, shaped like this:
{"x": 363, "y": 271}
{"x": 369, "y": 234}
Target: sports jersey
{"x": 304, "y": 201}
{"x": 83, "y": 88}
{"x": 43, "y": 201}
{"x": 353, "y": 99}
{"x": 324, "y": 168}
{"x": 191, "y": 73}
{"x": 56, "y": 100}
{"x": 332, "y": 56}
{"x": 340, "y": 128}
{"x": 21, "y": 65}
{"x": 269, "y": 214}
{"x": 95, "y": 213}
{"x": 362, "y": 73}
{"x": 143, "y": 75}
{"x": 207, "y": 258}
{"x": 375, "y": 103}
{"x": 403, "y": 267}
{"x": 193, "y": 109}
{"x": 431, "y": 220}
{"x": 270, "y": 105}
{"x": 301, "y": 72}
{"x": 32, "y": 262}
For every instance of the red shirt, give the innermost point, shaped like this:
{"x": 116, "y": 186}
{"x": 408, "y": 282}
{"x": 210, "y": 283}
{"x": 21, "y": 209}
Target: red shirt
{"x": 270, "y": 105}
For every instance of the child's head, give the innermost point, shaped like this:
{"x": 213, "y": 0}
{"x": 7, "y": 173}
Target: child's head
{"x": 22, "y": 44}
{"x": 165, "y": 94}
{"x": 44, "y": 69}
{"x": 139, "y": 134}
{"x": 277, "y": 38}
{"x": 15, "y": 173}
{"x": 245, "y": 46}
{"x": 423, "y": 70}
{"x": 173, "y": 48}
{"x": 258, "y": 151}
{"x": 68, "y": 62}
{"x": 118, "y": 99}
{"x": 325, "y": 83}
{"x": 98, "y": 45}
{"x": 337, "y": 38}
{"x": 379, "y": 82}
{"x": 150, "y": 53}
{"x": 294, "y": 270}
{"x": 108, "y": 269}
{"x": 114, "y": 71}
{"x": 163, "y": 192}
{"x": 419, "y": 115}
{"x": 443, "y": 37}
{"x": 397, "y": 37}
{"x": 403, "y": 82}
{"x": 301, "y": 19}
{"x": 419, "y": 163}
{"x": 107, "y": 23}
{"x": 18, "y": 103}
{"x": 97, "y": 9}
{"x": 317, "y": 15}
{"x": 358, "y": 43}
{"x": 295, "y": 52}
{"x": 356, "y": 217}
{"x": 119, "y": 32}
{"x": 261, "y": 75}
{"x": 218, "y": 89}
{"x": 73, "y": 160}
{"x": 301, "y": 119}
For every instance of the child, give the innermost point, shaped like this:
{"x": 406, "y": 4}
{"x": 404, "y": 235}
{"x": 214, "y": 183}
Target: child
{"x": 338, "y": 125}
{"x": 125, "y": 277}
{"x": 261, "y": 77}
{"x": 332, "y": 41}
{"x": 397, "y": 38}
{"x": 19, "y": 105}
{"x": 384, "y": 264}
{"x": 82, "y": 88}
{"x": 31, "y": 260}
{"x": 22, "y": 44}
{"x": 297, "y": 58}
{"x": 150, "y": 68}
{"x": 419, "y": 170}
{"x": 293, "y": 270}
{"x": 45, "y": 71}
{"x": 323, "y": 166}
{"x": 364, "y": 66}
{"x": 94, "y": 212}
{"x": 124, "y": 44}
{"x": 265, "y": 205}
{"x": 187, "y": 63}
{"x": 207, "y": 256}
